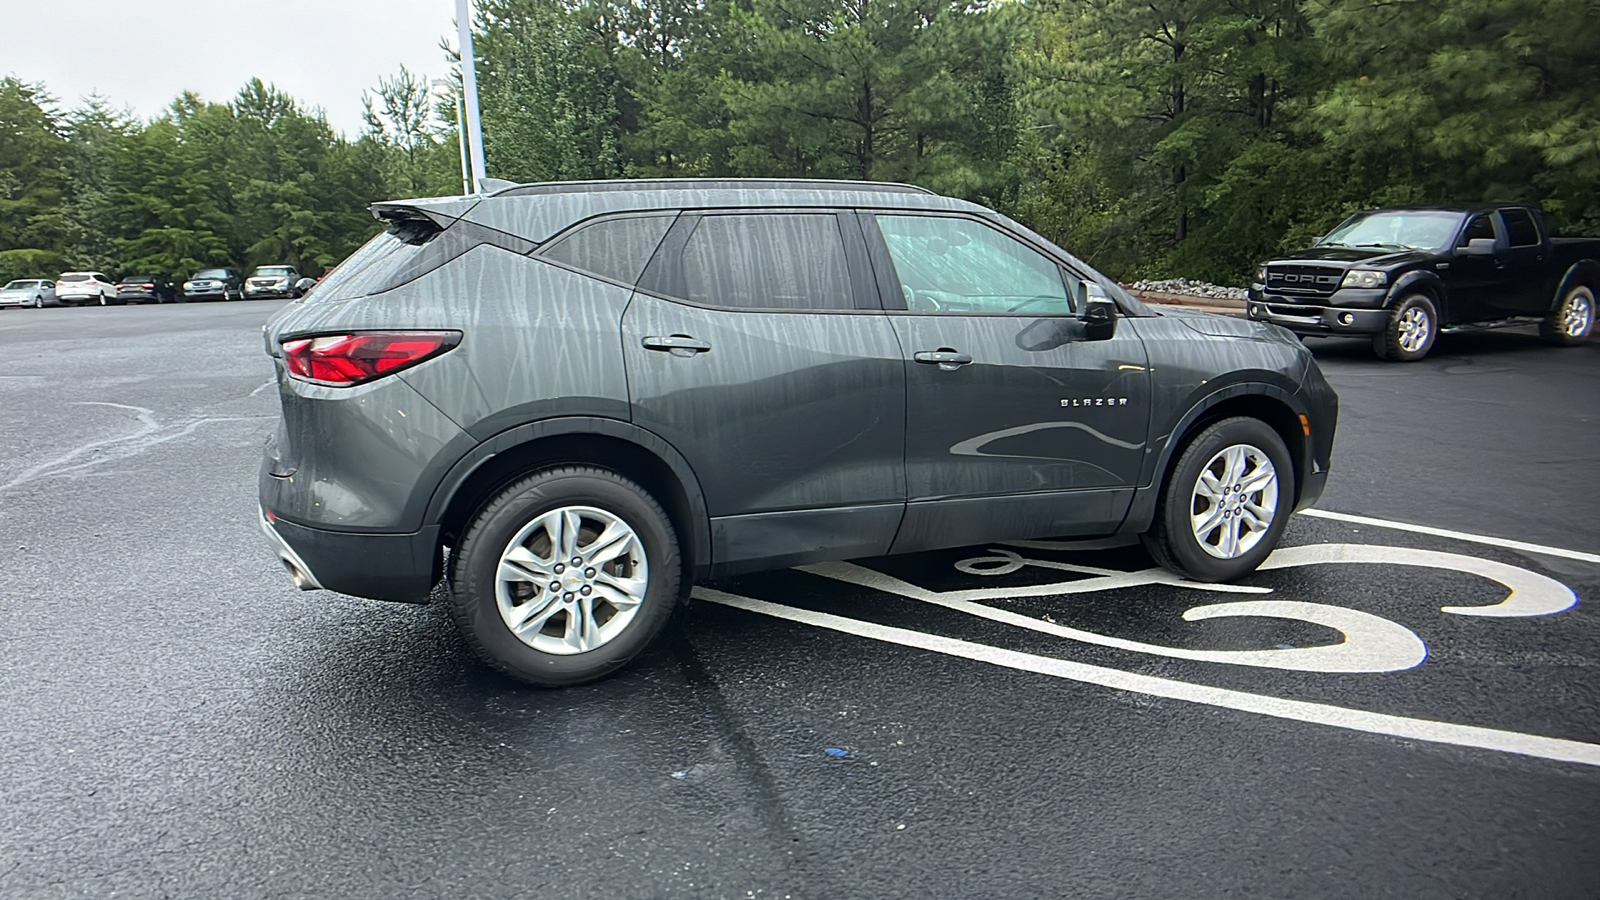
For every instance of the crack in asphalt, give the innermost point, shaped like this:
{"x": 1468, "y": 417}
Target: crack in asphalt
{"x": 150, "y": 434}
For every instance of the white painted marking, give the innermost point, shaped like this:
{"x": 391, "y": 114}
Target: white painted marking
{"x": 1531, "y": 594}
{"x": 1558, "y": 749}
{"x": 1371, "y": 643}
{"x": 1457, "y": 535}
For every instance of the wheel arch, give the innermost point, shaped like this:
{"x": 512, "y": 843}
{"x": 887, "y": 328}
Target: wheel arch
{"x": 1584, "y": 272}
{"x": 1266, "y": 402}
{"x": 1429, "y": 285}
{"x": 612, "y": 444}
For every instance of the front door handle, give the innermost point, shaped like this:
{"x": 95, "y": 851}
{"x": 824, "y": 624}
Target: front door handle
{"x": 945, "y": 358}
{"x": 677, "y": 344}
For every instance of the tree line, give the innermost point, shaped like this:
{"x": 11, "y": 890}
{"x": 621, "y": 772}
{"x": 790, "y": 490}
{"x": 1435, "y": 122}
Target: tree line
{"x": 1153, "y": 137}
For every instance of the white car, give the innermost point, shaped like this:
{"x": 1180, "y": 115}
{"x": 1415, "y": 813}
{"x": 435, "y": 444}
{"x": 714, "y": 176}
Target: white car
{"x": 35, "y": 292}
{"x": 85, "y": 287}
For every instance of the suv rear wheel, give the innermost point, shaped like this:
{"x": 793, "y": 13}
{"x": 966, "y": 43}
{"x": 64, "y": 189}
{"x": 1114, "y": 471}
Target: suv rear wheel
{"x": 565, "y": 576}
{"x": 1573, "y": 321}
{"x": 1226, "y": 504}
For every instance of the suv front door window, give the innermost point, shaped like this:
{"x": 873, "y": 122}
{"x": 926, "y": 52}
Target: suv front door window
{"x": 1011, "y": 424}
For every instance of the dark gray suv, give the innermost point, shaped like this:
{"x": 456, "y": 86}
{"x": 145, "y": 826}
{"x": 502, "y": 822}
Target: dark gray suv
{"x": 571, "y": 402}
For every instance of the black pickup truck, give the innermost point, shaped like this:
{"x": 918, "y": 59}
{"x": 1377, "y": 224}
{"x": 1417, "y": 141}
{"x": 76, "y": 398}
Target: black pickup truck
{"x": 1404, "y": 275}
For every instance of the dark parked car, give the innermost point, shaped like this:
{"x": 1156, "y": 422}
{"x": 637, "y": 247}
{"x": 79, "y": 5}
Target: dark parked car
{"x": 1404, "y": 275}
{"x": 221, "y": 283}
{"x": 595, "y": 395}
{"x": 146, "y": 289}
{"x": 34, "y": 292}
{"x": 272, "y": 281}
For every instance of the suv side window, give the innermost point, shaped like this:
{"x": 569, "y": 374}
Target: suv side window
{"x": 956, "y": 265}
{"x": 1481, "y": 226}
{"x": 612, "y": 248}
{"x": 767, "y": 261}
{"x": 1520, "y": 227}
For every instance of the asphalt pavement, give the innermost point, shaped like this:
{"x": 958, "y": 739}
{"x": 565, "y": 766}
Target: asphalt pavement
{"x": 1022, "y": 720}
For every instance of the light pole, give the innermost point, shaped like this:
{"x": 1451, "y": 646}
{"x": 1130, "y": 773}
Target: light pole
{"x": 469, "y": 88}
{"x": 461, "y": 134}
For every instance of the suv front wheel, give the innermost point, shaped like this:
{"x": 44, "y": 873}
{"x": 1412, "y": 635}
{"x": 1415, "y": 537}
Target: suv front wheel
{"x": 565, "y": 576}
{"x": 1226, "y": 504}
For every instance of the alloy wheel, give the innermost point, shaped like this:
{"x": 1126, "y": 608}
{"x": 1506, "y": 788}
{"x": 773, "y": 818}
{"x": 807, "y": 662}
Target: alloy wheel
{"x": 1235, "y": 501}
{"x": 1578, "y": 314}
{"x": 1415, "y": 329}
{"x": 571, "y": 580}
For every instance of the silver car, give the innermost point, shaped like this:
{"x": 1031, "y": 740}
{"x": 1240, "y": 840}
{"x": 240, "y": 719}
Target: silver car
{"x": 34, "y": 292}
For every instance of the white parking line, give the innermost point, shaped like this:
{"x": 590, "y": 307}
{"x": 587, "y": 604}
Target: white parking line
{"x": 1457, "y": 535}
{"x": 1557, "y": 749}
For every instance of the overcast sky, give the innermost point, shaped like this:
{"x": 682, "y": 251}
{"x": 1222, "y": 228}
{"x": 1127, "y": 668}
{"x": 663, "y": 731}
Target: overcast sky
{"x": 143, "y": 53}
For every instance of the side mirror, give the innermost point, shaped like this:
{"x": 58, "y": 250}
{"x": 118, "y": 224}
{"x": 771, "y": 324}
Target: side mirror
{"x": 1099, "y": 319}
{"x": 1478, "y": 247}
{"x": 304, "y": 284}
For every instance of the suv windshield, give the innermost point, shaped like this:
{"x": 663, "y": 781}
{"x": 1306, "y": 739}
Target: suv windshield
{"x": 1418, "y": 229}
{"x": 211, "y": 273}
{"x": 273, "y": 270}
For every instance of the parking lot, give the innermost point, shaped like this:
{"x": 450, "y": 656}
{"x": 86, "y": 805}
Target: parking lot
{"x": 1403, "y": 703}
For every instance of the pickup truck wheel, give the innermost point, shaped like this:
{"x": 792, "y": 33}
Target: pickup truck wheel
{"x": 1226, "y": 504}
{"x": 1412, "y": 327}
{"x": 1573, "y": 321}
{"x": 565, "y": 576}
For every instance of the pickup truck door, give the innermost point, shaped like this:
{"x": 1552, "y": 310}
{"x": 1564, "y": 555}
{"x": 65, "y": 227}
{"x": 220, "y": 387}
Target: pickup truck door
{"x": 1523, "y": 265}
{"x": 1475, "y": 282}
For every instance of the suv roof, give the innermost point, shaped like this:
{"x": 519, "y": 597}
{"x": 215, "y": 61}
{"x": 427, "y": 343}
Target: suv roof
{"x": 538, "y": 212}
{"x": 703, "y": 184}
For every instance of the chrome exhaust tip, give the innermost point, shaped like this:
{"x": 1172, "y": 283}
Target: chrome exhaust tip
{"x": 299, "y": 572}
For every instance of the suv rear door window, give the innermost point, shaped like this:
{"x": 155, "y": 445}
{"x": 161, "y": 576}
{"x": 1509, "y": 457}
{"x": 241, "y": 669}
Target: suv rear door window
{"x": 1520, "y": 227}
{"x": 767, "y": 261}
{"x": 956, "y": 265}
{"x": 617, "y": 249}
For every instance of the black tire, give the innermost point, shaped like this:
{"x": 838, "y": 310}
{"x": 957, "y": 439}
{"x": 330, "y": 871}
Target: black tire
{"x": 38, "y": 303}
{"x": 475, "y": 566}
{"x": 1171, "y": 540}
{"x": 1395, "y": 343}
{"x": 1557, "y": 329}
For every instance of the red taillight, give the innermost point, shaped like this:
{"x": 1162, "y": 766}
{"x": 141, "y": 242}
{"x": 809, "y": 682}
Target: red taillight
{"x": 342, "y": 360}
{"x": 148, "y": 287}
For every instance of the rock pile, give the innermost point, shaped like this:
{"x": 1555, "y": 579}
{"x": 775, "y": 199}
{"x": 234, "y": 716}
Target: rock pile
{"x": 1191, "y": 288}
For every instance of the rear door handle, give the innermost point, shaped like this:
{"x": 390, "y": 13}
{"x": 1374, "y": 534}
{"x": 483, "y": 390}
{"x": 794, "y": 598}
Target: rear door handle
{"x": 677, "y": 344}
{"x": 945, "y": 358}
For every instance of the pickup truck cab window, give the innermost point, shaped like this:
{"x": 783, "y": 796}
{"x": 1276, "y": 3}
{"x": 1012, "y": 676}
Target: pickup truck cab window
{"x": 1521, "y": 230}
{"x": 1480, "y": 228}
{"x": 953, "y": 265}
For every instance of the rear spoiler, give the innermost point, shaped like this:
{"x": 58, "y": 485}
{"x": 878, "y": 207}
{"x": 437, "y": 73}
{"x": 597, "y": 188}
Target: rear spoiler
{"x": 418, "y": 221}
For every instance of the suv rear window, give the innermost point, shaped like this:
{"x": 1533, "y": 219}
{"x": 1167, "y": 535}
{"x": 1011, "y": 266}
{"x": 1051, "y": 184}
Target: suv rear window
{"x": 767, "y": 261}
{"x": 401, "y": 255}
{"x": 73, "y": 277}
{"x": 1520, "y": 228}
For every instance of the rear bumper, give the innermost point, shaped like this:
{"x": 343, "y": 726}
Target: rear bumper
{"x": 393, "y": 567}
